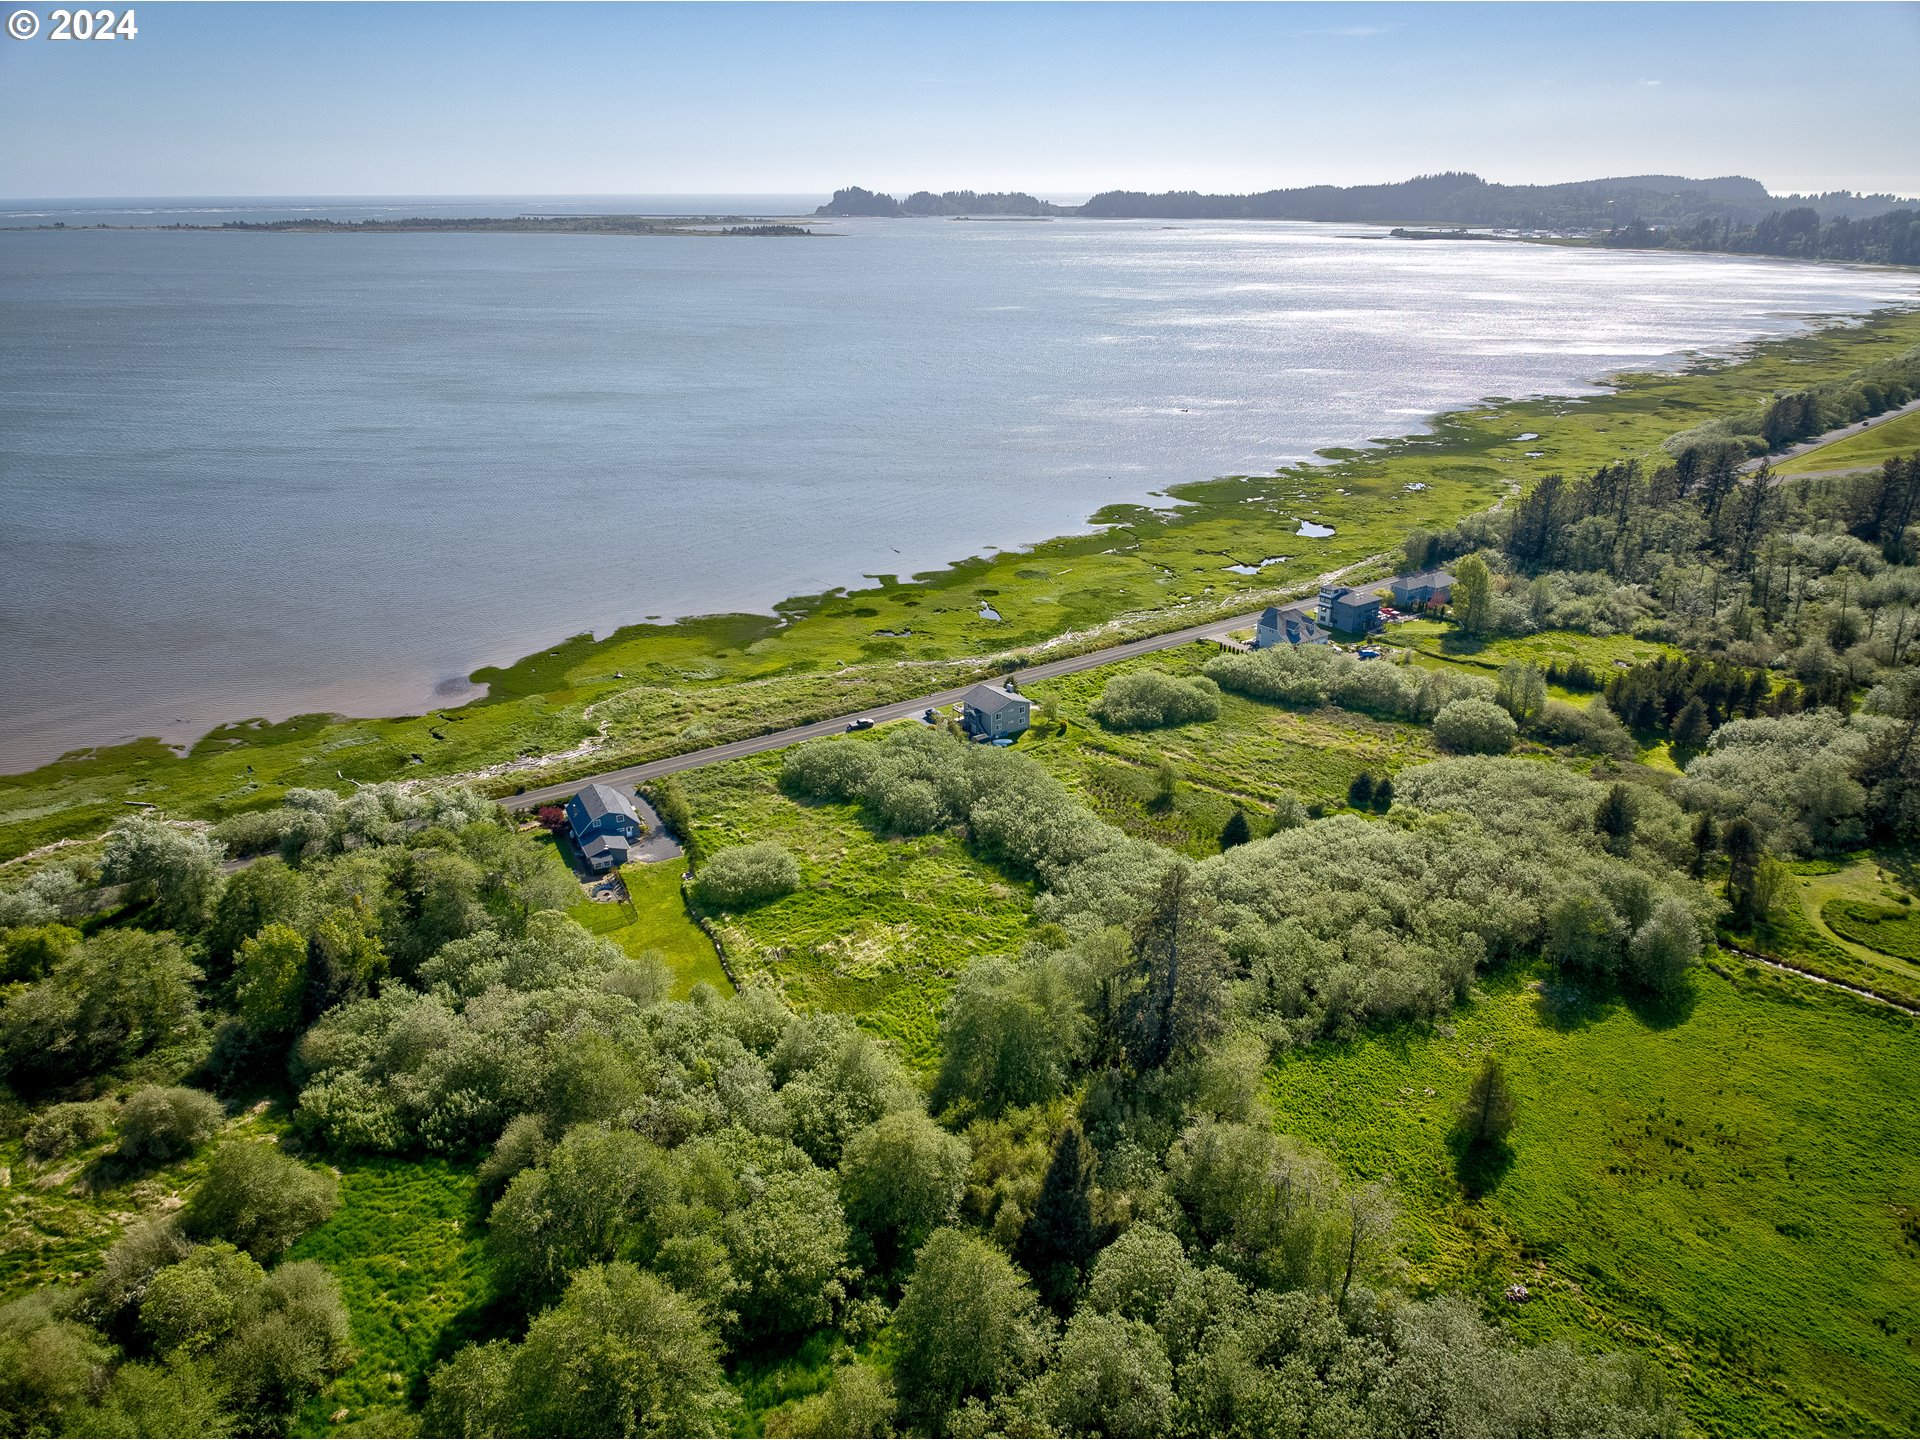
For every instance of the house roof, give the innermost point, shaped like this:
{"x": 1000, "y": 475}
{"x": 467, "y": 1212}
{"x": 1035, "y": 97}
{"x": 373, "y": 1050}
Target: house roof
{"x": 601, "y": 844}
{"x": 597, "y": 800}
{"x": 1277, "y": 614}
{"x": 990, "y": 697}
{"x": 1347, "y": 595}
{"x": 1425, "y": 577}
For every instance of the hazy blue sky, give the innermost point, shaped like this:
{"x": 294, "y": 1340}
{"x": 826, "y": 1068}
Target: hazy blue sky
{"x": 400, "y": 99}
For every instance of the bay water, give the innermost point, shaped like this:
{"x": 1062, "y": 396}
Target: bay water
{"x": 248, "y": 474}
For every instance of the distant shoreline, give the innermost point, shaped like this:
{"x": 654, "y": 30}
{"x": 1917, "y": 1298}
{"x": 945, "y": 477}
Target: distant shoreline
{"x": 757, "y": 227}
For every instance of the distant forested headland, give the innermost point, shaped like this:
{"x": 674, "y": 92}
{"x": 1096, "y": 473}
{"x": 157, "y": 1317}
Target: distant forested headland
{"x": 1731, "y": 213}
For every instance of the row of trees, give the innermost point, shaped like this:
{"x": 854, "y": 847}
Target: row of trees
{"x": 1892, "y": 238}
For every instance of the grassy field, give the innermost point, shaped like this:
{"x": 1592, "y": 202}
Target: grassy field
{"x": 652, "y": 690}
{"x": 1247, "y": 758}
{"x": 1865, "y": 449}
{"x": 1436, "y": 642}
{"x": 406, "y": 1246}
{"x": 881, "y": 925}
{"x": 1803, "y": 932}
{"x": 1729, "y": 1186}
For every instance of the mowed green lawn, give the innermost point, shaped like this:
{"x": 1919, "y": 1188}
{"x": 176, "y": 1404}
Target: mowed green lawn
{"x": 1861, "y": 449}
{"x": 1730, "y": 1187}
{"x": 657, "y": 920}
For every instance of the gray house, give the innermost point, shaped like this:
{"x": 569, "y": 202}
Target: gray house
{"x": 1350, "y": 611}
{"x": 1291, "y": 626}
{"x": 604, "y": 825}
{"x": 1429, "y": 587}
{"x": 995, "y": 713}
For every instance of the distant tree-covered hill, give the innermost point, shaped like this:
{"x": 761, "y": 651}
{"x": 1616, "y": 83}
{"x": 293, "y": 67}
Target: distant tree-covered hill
{"x": 1728, "y": 212}
{"x": 855, "y": 201}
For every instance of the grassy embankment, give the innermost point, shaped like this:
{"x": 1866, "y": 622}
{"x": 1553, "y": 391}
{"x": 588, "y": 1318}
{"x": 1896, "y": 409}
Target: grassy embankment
{"x": 1862, "y": 451}
{"x": 659, "y": 690}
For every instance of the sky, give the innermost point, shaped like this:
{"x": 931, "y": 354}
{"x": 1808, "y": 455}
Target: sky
{"x": 281, "y": 99}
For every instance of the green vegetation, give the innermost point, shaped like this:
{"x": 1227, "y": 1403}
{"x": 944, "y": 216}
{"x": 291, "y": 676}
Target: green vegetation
{"x": 1890, "y": 929}
{"x": 880, "y": 923}
{"x": 654, "y": 690}
{"x": 406, "y": 1246}
{"x": 1720, "y": 1181}
{"x": 1267, "y": 1043}
{"x": 654, "y": 920}
{"x": 1874, "y": 447}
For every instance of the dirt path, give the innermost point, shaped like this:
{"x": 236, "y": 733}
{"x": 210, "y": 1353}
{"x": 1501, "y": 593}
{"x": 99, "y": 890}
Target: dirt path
{"x": 1786, "y": 969}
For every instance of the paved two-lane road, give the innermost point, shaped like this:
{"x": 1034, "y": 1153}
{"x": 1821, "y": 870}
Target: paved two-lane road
{"x": 1845, "y": 432}
{"x": 633, "y": 775}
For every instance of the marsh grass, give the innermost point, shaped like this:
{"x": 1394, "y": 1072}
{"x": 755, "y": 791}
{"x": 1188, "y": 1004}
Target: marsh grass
{"x": 407, "y": 1247}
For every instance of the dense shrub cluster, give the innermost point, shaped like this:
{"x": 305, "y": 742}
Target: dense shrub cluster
{"x": 1308, "y": 675}
{"x": 1151, "y": 699}
{"x": 747, "y": 875}
{"x": 185, "y": 1336}
{"x": 1793, "y": 776}
{"x": 1475, "y": 727}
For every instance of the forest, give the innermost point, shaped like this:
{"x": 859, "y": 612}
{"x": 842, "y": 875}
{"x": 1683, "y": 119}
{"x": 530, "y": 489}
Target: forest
{"x": 1086, "y": 1212}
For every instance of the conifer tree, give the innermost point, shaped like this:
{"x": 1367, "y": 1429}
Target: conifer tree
{"x": 1741, "y": 841}
{"x": 1179, "y": 977}
{"x": 1236, "y": 831}
{"x": 1692, "y": 727}
{"x": 1486, "y": 1119}
{"x": 1614, "y": 818}
{"x": 1705, "y": 837}
{"x": 1060, "y": 1238}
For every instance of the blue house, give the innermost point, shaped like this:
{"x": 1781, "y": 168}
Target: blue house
{"x": 604, "y": 825}
{"x": 1350, "y": 611}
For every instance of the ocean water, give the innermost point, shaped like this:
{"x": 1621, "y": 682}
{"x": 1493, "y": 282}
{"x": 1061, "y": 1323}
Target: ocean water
{"x": 260, "y": 474}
